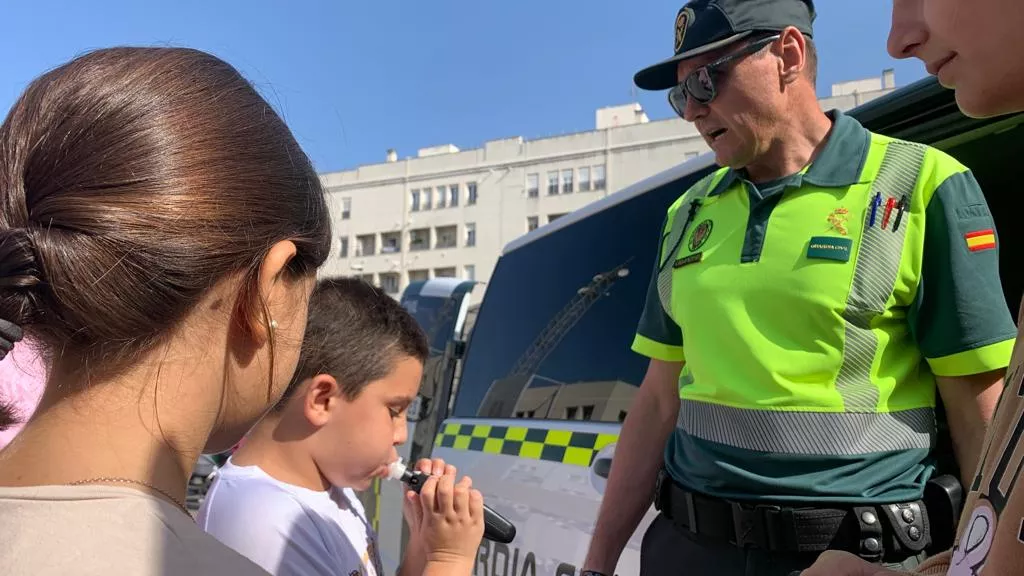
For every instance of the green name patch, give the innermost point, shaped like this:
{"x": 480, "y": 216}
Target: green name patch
{"x": 830, "y": 248}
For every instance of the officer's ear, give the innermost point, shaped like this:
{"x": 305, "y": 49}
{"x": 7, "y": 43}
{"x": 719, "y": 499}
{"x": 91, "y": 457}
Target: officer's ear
{"x": 791, "y": 50}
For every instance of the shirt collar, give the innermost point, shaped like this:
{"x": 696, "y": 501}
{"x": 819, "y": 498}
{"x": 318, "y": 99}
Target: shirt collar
{"x": 839, "y": 164}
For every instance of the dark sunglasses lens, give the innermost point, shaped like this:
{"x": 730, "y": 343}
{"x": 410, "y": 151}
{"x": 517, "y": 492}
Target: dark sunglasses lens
{"x": 700, "y": 86}
{"x": 677, "y": 99}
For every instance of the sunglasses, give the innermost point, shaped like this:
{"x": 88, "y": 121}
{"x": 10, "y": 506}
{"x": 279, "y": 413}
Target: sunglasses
{"x": 700, "y": 84}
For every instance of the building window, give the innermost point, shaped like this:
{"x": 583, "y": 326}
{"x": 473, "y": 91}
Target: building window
{"x": 442, "y": 196}
{"x": 588, "y": 412}
{"x": 567, "y": 181}
{"x": 415, "y": 201}
{"x": 531, "y": 223}
{"x": 470, "y": 270}
{"x": 389, "y": 282}
{"x": 444, "y": 272}
{"x": 533, "y": 185}
{"x": 419, "y": 239}
{"x": 585, "y": 179}
{"x": 470, "y": 234}
{"x": 599, "y": 177}
{"x": 445, "y": 237}
{"x": 453, "y": 195}
{"x": 419, "y": 275}
{"x": 553, "y": 217}
{"x": 368, "y": 278}
{"x": 390, "y": 242}
{"x": 346, "y": 208}
{"x": 552, "y": 182}
{"x": 366, "y": 245}
{"x": 428, "y": 198}
{"x": 471, "y": 193}
{"x": 570, "y": 412}
{"x": 343, "y": 247}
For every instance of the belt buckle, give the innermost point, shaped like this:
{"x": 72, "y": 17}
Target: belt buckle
{"x": 745, "y": 520}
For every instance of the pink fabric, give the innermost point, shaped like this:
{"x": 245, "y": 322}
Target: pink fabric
{"x": 22, "y": 379}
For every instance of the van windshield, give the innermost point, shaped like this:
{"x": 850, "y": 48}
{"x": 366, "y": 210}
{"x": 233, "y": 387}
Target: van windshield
{"x": 553, "y": 335}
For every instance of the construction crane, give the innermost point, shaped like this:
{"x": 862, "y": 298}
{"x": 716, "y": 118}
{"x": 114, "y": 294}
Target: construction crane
{"x": 562, "y": 322}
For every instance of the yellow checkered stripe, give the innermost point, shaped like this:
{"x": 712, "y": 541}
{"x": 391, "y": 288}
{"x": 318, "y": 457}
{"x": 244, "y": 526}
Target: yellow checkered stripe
{"x": 563, "y": 446}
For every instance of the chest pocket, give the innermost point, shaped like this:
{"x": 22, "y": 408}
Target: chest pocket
{"x": 881, "y": 249}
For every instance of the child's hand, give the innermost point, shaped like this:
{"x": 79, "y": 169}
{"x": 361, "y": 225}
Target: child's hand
{"x": 411, "y": 508}
{"x": 833, "y": 563}
{"x": 452, "y": 521}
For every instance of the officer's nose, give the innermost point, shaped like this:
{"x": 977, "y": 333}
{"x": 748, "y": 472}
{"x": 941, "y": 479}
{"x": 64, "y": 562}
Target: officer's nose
{"x": 907, "y": 31}
{"x": 694, "y": 110}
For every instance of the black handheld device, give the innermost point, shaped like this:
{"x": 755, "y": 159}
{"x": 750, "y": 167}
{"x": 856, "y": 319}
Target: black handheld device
{"x": 496, "y": 526}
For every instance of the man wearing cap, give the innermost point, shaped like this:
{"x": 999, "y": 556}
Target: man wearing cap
{"x": 808, "y": 300}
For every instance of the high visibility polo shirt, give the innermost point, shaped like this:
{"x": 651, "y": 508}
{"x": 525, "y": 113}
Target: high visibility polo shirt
{"x": 811, "y": 343}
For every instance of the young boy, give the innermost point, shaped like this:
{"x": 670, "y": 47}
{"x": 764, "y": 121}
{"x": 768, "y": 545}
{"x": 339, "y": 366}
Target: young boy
{"x": 286, "y": 498}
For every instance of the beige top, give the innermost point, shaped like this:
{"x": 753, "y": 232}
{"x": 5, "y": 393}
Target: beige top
{"x": 106, "y": 530}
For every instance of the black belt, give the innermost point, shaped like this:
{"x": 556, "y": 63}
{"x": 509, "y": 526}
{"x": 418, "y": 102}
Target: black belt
{"x": 882, "y": 532}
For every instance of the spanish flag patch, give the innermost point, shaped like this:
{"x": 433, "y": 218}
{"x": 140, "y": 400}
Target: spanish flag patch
{"x": 980, "y": 240}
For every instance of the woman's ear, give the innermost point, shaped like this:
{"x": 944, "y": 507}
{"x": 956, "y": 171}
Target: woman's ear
{"x": 273, "y": 285}
{"x": 322, "y": 394}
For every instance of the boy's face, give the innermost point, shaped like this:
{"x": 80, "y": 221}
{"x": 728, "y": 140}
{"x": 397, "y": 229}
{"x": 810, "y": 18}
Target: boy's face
{"x": 358, "y": 438}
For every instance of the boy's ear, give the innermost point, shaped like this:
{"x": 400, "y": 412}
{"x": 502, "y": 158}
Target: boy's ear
{"x": 321, "y": 395}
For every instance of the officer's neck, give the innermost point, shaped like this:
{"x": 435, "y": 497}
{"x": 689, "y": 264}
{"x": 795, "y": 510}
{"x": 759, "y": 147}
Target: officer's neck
{"x": 800, "y": 137}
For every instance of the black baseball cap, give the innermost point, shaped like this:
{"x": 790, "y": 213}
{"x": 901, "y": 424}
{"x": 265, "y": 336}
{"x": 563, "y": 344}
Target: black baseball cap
{"x": 705, "y": 25}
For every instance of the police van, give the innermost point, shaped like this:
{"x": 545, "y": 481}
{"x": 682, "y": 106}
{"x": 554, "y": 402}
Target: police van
{"x": 530, "y": 403}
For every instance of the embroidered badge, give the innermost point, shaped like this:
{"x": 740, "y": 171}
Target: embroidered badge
{"x": 980, "y": 240}
{"x": 683, "y": 21}
{"x": 700, "y": 235}
{"x": 838, "y": 219}
{"x": 829, "y": 248}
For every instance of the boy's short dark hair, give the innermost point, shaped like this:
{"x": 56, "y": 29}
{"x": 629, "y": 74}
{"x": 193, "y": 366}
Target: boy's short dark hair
{"x": 356, "y": 333}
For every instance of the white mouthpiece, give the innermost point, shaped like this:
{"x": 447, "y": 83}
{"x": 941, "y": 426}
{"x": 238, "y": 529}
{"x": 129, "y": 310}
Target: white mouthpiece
{"x": 396, "y": 469}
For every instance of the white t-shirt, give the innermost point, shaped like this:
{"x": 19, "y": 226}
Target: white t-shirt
{"x": 287, "y": 529}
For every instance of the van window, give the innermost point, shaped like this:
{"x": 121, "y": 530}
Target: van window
{"x": 553, "y": 335}
{"x": 435, "y": 315}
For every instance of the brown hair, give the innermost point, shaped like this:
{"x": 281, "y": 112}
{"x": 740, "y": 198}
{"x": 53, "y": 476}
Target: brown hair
{"x": 131, "y": 181}
{"x": 356, "y": 333}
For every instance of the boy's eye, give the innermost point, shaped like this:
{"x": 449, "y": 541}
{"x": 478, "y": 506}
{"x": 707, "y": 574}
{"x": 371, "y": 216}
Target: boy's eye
{"x": 396, "y": 412}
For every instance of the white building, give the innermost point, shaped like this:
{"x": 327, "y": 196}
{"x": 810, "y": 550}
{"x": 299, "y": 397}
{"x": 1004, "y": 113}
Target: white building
{"x": 449, "y": 212}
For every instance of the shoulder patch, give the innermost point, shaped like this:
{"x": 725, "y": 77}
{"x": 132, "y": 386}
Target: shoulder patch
{"x": 980, "y": 240}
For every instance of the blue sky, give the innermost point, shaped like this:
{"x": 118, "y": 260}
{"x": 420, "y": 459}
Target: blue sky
{"x": 353, "y": 79}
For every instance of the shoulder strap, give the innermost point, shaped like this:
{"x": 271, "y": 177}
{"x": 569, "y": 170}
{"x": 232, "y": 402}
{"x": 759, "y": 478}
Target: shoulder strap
{"x": 692, "y": 200}
{"x": 879, "y": 256}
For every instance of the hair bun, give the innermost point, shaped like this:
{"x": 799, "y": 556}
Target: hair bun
{"x": 19, "y": 274}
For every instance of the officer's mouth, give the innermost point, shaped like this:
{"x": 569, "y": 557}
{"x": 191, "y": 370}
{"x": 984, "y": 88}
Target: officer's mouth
{"x": 712, "y": 135}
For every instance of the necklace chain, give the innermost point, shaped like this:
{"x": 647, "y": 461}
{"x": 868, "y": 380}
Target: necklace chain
{"x": 129, "y": 481}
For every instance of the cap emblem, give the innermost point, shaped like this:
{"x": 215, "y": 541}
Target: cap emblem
{"x": 683, "y": 21}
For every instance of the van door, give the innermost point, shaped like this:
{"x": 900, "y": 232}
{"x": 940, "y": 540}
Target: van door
{"x": 548, "y": 378}
{"x": 440, "y": 307}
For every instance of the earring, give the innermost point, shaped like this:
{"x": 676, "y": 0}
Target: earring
{"x": 273, "y": 324}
